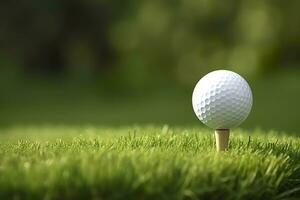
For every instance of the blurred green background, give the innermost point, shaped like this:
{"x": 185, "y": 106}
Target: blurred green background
{"x": 136, "y": 62}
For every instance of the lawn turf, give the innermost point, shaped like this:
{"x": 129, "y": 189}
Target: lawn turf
{"x": 145, "y": 162}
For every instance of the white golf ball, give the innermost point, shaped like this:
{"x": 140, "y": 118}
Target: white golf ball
{"x": 222, "y": 99}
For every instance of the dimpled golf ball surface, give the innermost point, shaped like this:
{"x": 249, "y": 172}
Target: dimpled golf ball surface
{"x": 222, "y": 99}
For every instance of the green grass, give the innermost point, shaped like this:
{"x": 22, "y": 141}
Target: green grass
{"x": 62, "y": 139}
{"x": 146, "y": 162}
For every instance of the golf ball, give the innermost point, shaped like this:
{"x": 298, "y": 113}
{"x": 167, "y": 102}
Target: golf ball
{"x": 222, "y": 99}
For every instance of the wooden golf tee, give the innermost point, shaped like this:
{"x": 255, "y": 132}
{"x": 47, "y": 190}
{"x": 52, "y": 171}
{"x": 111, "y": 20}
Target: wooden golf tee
{"x": 222, "y": 139}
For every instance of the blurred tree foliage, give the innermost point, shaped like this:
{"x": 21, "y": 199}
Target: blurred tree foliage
{"x": 138, "y": 42}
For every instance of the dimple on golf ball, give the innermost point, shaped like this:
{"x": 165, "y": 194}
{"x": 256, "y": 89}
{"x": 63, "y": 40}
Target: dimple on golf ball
{"x": 222, "y": 99}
